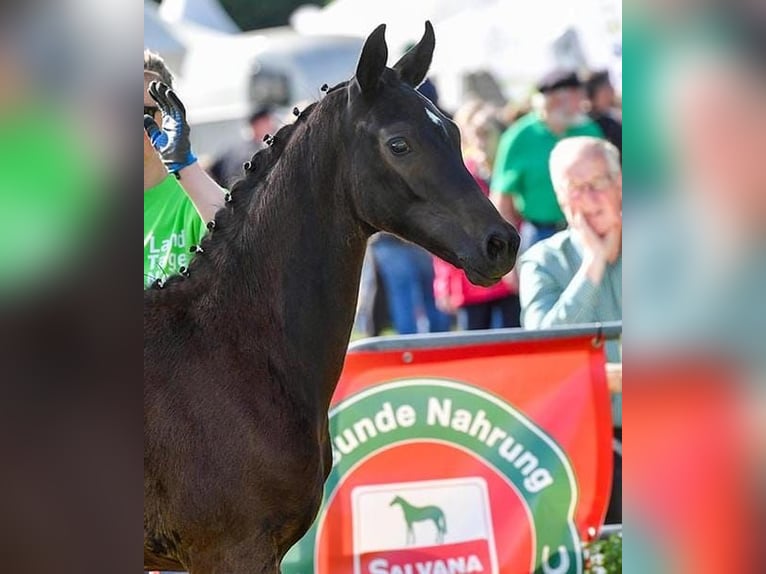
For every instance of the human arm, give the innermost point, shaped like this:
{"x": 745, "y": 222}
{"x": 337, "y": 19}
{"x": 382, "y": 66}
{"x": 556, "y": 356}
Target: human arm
{"x": 174, "y": 146}
{"x": 206, "y": 195}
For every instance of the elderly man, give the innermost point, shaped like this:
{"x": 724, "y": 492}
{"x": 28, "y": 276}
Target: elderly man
{"x": 576, "y": 275}
{"x": 521, "y": 184}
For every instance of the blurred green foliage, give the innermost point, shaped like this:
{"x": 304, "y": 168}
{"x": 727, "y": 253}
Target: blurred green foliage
{"x": 604, "y": 556}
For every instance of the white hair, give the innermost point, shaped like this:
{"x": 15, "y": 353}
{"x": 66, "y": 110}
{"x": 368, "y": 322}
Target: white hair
{"x": 570, "y": 150}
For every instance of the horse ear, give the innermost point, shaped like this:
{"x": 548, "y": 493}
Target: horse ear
{"x": 372, "y": 62}
{"x": 413, "y": 66}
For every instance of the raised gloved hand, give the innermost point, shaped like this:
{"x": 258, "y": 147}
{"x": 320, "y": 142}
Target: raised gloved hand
{"x": 172, "y": 141}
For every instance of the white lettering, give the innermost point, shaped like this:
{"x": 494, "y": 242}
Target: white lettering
{"x": 405, "y": 416}
{"x": 539, "y": 479}
{"x": 456, "y": 565}
{"x": 563, "y": 561}
{"x": 364, "y": 429}
{"x": 509, "y": 453}
{"x": 528, "y": 461}
{"x": 480, "y": 426}
{"x": 379, "y": 566}
{"x": 385, "y": 420}
{"x": 474, "y": 564}
{"x": 439, "y": 413}
{"x": 495, "y": 435}
{"x": 461, "y": 421}
{"x": 348, "y": 445}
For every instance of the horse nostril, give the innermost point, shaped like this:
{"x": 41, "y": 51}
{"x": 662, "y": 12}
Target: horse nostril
{"x": 496, "y": 247}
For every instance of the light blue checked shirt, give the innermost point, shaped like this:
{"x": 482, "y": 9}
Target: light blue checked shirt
{"x": 554, "y": 291}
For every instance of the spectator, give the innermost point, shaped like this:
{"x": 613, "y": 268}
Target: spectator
{"x": 601, "y": 107}
{"x": 408, "y": 277}
{"x": 372, "y": 314}
{"x": 576, "y": 275}
{"x": 227, "y": 168}
{"x": 521, "y": 182}
{"x": 477, "y": 307}
{"x": 178, "y": 195}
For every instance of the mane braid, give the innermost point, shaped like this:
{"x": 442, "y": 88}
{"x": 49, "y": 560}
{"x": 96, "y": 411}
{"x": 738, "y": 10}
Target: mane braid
{"x": 228, "y": 219}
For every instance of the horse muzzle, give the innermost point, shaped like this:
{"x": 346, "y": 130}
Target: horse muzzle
{"x": 499, "y": 248}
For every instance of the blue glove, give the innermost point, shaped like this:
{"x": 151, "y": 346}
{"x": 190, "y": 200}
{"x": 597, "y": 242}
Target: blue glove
{"x": 172, "y": 141}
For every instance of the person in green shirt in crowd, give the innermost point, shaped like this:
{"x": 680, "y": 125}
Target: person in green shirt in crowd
{"x": 179, "y": 197}
{"x": 521, "y": 183}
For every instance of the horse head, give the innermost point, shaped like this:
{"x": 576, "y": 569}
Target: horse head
{"x": 396, "y": 500}
{"x": 408, "y": 175}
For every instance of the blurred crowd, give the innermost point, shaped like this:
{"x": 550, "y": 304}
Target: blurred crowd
{"x": 565, "y": 198}
{"x": 573, "y": 209}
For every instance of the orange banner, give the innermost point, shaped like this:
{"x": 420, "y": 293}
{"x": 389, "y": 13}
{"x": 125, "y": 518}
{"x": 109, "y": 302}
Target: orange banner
{"x": 486, "y": 457}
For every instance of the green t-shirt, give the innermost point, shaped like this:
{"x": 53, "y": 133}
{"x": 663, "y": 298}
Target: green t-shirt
{"x": 50, "y": 206}
{"x": 521, "y": 167}
{"x": 171, "y": 226}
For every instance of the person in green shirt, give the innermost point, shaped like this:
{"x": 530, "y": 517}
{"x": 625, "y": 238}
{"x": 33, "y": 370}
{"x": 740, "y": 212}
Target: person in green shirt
{"x": 179, "y": 197}
{"x": 172, "y": 226}
{"x": 521, "y": 183}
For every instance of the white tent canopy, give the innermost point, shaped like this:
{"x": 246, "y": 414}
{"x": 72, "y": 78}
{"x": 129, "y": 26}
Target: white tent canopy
{"x": 518, "y": 41}
{"x": 207, "y": 13}
{"x": 405, "y": 19}
{"x": 159, "y": 38}
{"x": 515, "y": 40}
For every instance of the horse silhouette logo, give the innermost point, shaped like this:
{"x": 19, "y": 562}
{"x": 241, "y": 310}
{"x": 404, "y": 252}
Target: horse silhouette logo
{"x": 413, "y": 514}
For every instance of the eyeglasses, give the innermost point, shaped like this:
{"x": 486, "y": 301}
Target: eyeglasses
{"x": 597, "y": 185}
{"x": 151, "y": 110}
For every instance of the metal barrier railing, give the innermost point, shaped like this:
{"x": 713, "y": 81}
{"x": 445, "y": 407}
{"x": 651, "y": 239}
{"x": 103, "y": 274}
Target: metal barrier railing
{"x": 608, "y": 530}
{"x": 599, "y": 331}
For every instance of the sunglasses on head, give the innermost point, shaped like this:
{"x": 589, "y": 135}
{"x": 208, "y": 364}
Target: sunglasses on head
{"x": 150, "y": 110}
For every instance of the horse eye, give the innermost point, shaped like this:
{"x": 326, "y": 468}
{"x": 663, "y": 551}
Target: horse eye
{"x": 399, "y": 146}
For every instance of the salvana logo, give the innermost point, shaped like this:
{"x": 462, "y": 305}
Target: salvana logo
{"x": 458, "y": 565}
{"x": 402, "y": 528}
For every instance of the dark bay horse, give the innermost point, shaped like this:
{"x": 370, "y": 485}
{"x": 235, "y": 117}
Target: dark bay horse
{"x": 242, "y": 351}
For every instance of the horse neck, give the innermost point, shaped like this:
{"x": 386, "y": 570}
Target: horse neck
{"x": 287, "y": 282}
